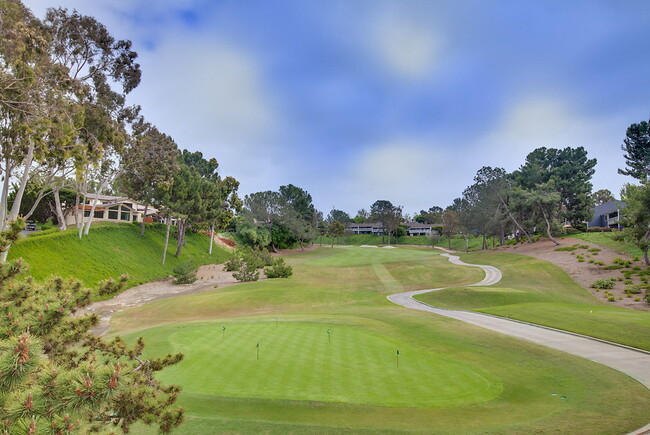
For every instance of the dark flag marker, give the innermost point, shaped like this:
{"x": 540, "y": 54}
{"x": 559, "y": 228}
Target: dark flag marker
{"x": 397, "y": 358}
{"x": 223, "y": 331}
{"x": 329, "y": 336}
{"x": 258, "y": 351}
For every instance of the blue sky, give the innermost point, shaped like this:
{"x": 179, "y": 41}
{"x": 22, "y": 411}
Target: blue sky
{"x": 356, "y": 100}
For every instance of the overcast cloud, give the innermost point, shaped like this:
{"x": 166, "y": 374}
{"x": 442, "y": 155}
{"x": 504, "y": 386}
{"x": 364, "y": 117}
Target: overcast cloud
{"x": 356, "y": 101}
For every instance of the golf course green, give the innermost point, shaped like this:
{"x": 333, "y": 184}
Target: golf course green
{"x": 452, "y": 377}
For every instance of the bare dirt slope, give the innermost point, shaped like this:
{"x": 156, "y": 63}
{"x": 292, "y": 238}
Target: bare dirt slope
{"x": 584, "y": 273}
{"x": 209, "y": 277}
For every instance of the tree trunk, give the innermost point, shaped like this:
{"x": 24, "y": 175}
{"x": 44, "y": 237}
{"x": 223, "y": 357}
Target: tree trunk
{"x": 169, "y": 224}
{"x": 466, "y": 243}
{"x": 144, "y": 215}
{"x": 449, "y": 239}
{"x": 59, "y": 210}
{"x": 18, "y": 199}
{"x": 484, "y": 247}
{"x": 211, "y": 238}
{"x": 512, "y": 217}
{"x": 102, "y": 188}
{"x": 180, "y": 237}
{"x": 548, "y": 229}
{"x": 5, "y": 194}
{"x": 76, "y": 210}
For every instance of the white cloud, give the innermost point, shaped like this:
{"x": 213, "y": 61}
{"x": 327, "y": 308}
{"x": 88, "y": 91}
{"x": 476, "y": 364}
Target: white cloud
{"x": 553, "y": 121}
{"x": 406, "y": 46}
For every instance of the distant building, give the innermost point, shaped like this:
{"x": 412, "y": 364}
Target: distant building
{"x": 377, "y": 229}
{"x": 607, "y": 214}
{"x": 111, "y": 209}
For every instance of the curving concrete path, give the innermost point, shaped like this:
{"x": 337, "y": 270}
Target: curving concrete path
{"x": 633, "y": 362}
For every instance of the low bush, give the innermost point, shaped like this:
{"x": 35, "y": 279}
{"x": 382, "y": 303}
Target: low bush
{"x": 566, "y": 248}
{"x": 635, "y": 289}
{"x": 233, "y": 264}
{"x": 279, "y": 269}
{"x": 246, "y": 273}
{"x": 613, "y": 267}
{"x": 594, "y": 250}
{"x": 603, "y": 284}
{"x": 184, "y": 274}
{"x": 599, "y": 230}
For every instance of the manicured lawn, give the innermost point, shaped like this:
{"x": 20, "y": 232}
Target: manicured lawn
{"x": 453, "y": 377}
{"x": 110, "y": 251}
{"x": 539, "y": 292}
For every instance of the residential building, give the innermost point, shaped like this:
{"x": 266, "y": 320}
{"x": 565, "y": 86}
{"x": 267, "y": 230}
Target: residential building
{"x": 607, "y": 214}
{"x": 111, "y": 209}
{"x": 376, "y": 229}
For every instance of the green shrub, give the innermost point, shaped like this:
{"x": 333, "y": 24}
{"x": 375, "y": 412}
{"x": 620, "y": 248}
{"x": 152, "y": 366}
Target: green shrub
{"x": 279, "y": 269}
{"x": 603, "y": 284}
{"x": 613, "y": 267}
{"x": 647, "y": 296}
{"x": 611, "y": 299}
{"x": 618, "y": 260}
{"x": 594, "y": 250}
{"x": 246, "y": 273}
{"x": 233, "y": 264}
{"x": 184, "y": 273}
{"x": 599, "y": 230}
{"x": 627, "y": 282}
{"x": 635, "y": 289}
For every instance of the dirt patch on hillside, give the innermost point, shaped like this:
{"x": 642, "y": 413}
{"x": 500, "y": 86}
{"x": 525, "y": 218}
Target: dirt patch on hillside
{"x": 585, "y": 273}
{"x": 209, "y": 277}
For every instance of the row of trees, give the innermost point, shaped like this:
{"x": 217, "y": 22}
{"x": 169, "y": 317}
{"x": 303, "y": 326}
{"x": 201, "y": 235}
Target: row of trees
{"x": 66, "y": 131}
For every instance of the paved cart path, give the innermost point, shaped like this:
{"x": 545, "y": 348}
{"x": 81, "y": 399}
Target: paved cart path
{"x": 632, "y": 362}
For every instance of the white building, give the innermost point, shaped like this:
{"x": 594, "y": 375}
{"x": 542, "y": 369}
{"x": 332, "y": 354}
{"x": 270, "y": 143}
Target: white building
{"x": 111, "y": 209}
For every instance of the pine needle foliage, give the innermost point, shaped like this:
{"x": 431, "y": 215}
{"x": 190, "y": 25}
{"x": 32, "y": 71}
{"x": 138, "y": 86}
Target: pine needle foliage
{"x": 56, "y": 377}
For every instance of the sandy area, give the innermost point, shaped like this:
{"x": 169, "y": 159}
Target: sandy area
{"x": 584, "y": 273}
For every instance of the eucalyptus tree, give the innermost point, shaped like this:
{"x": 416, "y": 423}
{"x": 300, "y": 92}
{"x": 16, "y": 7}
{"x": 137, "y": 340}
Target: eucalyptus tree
{"x": 97, "y": 65}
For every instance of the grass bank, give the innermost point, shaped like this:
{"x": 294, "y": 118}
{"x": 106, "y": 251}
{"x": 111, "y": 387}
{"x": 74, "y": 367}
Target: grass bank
{"x": 457, "y": 243}
{"x": 110, "y": 251}
{"x": 303, "y": 382}
{"x": 539, "y": 292}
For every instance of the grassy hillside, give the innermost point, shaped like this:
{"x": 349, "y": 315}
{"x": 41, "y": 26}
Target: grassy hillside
{"x": 109, "y": 251}
{"x": 607, "y": 239}
{"x": 452, "y": 377}
{"x": 539, "y": 292}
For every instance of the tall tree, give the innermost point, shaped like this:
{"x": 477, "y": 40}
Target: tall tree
{"x": 571, "y": 170}
{"x": 339, "y": 216}
{"x": 153, "y": 159}
{"x": 602, "y": 196}
{"x": 450, "y": 224}
{"x": 431, "y": 216}
{"x": 388, "y": 214}
{"x": 636, "y": 146}
{"x": 636, "y": 216}
{"x": 500, "y": 184}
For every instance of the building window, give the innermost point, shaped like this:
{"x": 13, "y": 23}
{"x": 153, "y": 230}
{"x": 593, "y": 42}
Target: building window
{"x": 112, "y": 214}
{"x": 99, "y": 214}
{"x": 87, "y": 213}
{"x": 125, "y": 216}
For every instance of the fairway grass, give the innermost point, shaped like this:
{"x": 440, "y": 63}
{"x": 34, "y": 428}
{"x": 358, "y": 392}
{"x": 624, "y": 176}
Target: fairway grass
{"x": 539, "y": 292}
{"x": 453, "y": 377}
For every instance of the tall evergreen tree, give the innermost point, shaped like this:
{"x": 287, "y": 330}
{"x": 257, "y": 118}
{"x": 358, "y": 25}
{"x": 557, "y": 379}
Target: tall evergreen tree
{"x": 636, "y": 146}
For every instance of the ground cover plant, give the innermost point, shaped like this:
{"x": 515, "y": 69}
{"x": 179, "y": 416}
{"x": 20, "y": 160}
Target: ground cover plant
{"x": 539, "y": 292}
{"x": 309, "y": 381}
{"x": 109, "y": 251}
